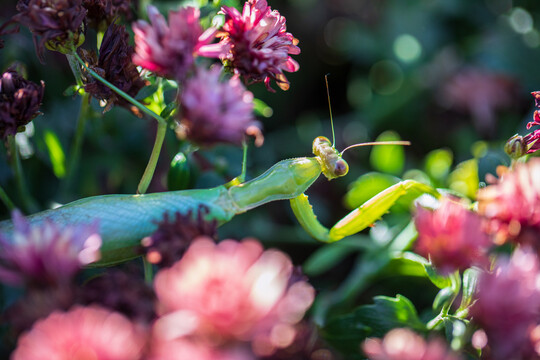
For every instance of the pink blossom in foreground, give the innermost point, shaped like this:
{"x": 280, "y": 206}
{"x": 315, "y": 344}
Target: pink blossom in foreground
{"x": 508, "y": 305}
{"x": 180, "y": 349}
{"x": 404, "y": 344}
{"x": 169, "y": 49}
{"x": 82, "y": 333}
{"x": 216, "y": 112}
{"x": 451, "y": 237}
{"x": 45, "y": 254}
{"x": 511, "y": 206}
{"x": 257, "y": 44}
{"x": 232, "y": 291}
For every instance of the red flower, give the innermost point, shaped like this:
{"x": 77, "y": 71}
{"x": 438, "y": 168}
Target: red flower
{"x": 257, "y": 44}
{"x": 215, "y": 111}
{"x": 451, "y": 236}
{"x": 232, "y": 291}
{"x": 511, "y": 206}
{"x": 404, "y": 344}
{"x": 82, "y": 333}
{"x": 169, "y": 50}
{"x": 508, "y": 305}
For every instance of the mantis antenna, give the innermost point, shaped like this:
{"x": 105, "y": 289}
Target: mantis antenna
{"x": 396, "y": 142}
{"x": 330, "y": 108}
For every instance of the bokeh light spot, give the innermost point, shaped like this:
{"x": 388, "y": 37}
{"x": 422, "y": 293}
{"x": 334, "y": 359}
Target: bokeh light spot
{"x": 521, "y": 21}
{"x": 385, "y": 77}
{"x": 407, "y": 48}
{"x": 359, "y": 92}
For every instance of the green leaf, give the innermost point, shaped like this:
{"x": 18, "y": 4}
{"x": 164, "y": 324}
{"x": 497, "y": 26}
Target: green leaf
{"x": 330, "y": 255}
{"x": 444, "y": 296}
{"x": 367, "y": 186}
{"x": 438, "y": 164}
{"x": 470, "y": 281}
{"x": 179, "y": 176}
{"x": 260, "y": 108}
{"x": 438, "y": 280}
{"x": 464, "y": 179}
{"x": 347, "y": 332}
{"x": 388, "y": 158}
{"x": 147, "y": 91}
{"x": 56, "y": 153}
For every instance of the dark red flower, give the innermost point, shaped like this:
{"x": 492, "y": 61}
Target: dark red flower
{"x": 256, "y": 44}
{"x": 4, "y": 31}
{"x": 216, "y": 112}
{"x": 114, "y": 65}
{"x": 56, "y": 23}
{"x": 101, "y": 13}
{"x": 19, "y": 102}
{"x": 169, "y": 49}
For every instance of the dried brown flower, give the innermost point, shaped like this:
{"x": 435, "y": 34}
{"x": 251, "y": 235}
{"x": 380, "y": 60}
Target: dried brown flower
{"x": 103, "y": 12}
{"x": 55, "y": 24}
{"x": 19, "y": 102}
{"x": 114, "y": 64}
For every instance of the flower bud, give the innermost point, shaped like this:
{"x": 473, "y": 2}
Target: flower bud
{"x": 516, "y": 147}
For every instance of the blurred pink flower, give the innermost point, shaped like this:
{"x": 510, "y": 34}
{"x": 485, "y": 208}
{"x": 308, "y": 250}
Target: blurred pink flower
{"x": 215, "y": 111}
{"x": 232, "y": 290}
{"x": 46, "y": 254}
{"x": 511, "y": 206}
{"x": 508, "y": 305}
{"x": 82, "y": 333}
{"x": 193, "y": 350}
{"x": 451, "y": 237}
{"x": 404, "y": 344}
{"x": 169, "y": 49}
{"x": 257, "y": 44}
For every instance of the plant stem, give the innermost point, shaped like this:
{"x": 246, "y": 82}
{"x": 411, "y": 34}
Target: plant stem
{"x": 75, "y": 151}
{"x": 6, "y": 200}
{"x": 75, "y": 68}
{"x": 148, "y": 271}
{"x": 137, "y": 104}
{"x": 151, "y": 166}
{"x": 29, "y": 204}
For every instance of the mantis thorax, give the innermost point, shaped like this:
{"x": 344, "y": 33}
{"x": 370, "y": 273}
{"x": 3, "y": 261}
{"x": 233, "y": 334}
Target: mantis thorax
{"x": 333, "y": 166}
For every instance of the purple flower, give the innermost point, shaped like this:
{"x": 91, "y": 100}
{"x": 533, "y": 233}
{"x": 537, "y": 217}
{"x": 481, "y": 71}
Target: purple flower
{"x": 56, "y": 23}
{"x": 451, "y": 236}
{"x": 19, "y": 102}
{"x": 115, "y": 65}
{"x": 508, "y": 305}
{"x": 45, "y": 254}
{"x": 169, "y": 49}
{"x": 215, "y": 111}
{"x": 257, "y": 44}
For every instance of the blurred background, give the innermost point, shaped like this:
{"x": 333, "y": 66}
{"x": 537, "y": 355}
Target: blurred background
{"x": 452, "y": 76}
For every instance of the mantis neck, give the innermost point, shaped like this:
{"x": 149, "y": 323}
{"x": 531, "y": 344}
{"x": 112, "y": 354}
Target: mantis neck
{"x": 285, "y": 180}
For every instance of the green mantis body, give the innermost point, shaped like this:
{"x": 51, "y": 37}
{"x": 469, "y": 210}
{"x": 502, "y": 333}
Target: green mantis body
{"x": 123, "y": 220}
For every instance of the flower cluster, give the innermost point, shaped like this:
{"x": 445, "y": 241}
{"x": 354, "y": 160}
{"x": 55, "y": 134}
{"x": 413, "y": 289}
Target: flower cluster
{"x": 20, "y": 100}
{"x": 451, "y": 236}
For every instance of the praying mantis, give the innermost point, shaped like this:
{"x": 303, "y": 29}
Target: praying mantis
{"x": 123, "y": 220}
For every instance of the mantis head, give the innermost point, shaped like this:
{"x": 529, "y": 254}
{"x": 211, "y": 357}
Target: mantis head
{"x": 332, "y": 164}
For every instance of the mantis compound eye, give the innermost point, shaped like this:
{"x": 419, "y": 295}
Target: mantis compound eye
{"x": 341, "y": 168}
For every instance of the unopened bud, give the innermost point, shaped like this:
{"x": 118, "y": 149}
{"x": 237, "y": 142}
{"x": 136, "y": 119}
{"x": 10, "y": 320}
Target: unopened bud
{"x": 516, "y": 147}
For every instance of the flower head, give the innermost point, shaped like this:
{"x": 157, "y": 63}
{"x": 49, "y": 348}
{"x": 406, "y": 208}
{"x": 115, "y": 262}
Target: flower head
{"x": 172, "y": 238}
{"x": 57, "y": 24}
{"x": 232, "y": 290}
{"x": 511, "y": 206}
{"x": 190, "y": 349}
{"x": 451, "y": 236}
{"x": 45, "y": 254}
{"x": 82, "y": 333}
{"x": 257, "y": 44}
{"x": 169, "y": 50}
{"x": 404, "y": 344}
{"x": 103, "y": 12}
{"x": 19, "y": 102}
{"x": 215, "y": 111}
{"x": 508, "y": 304}
{"x": 115, "y": 65}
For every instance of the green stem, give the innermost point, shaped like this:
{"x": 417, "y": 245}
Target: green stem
{"x": 29, "y": 204}
{"x": 6, "y": 200}
{"x": 137, "y": 104}
{"x": 148, "y": 271}
{"x": 75, "y": 68}
{"x": 75, "y": 151}
{"x": 151, "y": 166}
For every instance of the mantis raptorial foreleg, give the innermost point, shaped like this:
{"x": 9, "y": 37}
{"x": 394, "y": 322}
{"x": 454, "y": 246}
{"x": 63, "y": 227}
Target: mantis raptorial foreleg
{"x": 358, "y": 219}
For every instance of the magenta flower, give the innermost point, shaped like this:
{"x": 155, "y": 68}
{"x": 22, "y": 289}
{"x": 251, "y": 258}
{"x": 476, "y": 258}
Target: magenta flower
{"x": 257, "y": 45}
{"x": 232, "y": 291}
{"x": 169, "y": 49}
{"x": 511, "y": 206}
{"x": 404, "y": 344}
{"x": 82, "y": 333}
{"x": 451, "y": 237}
{"x": 215, "y": 111}
{"x": 46, "y": 254}
{"x": 508, "y": 305}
